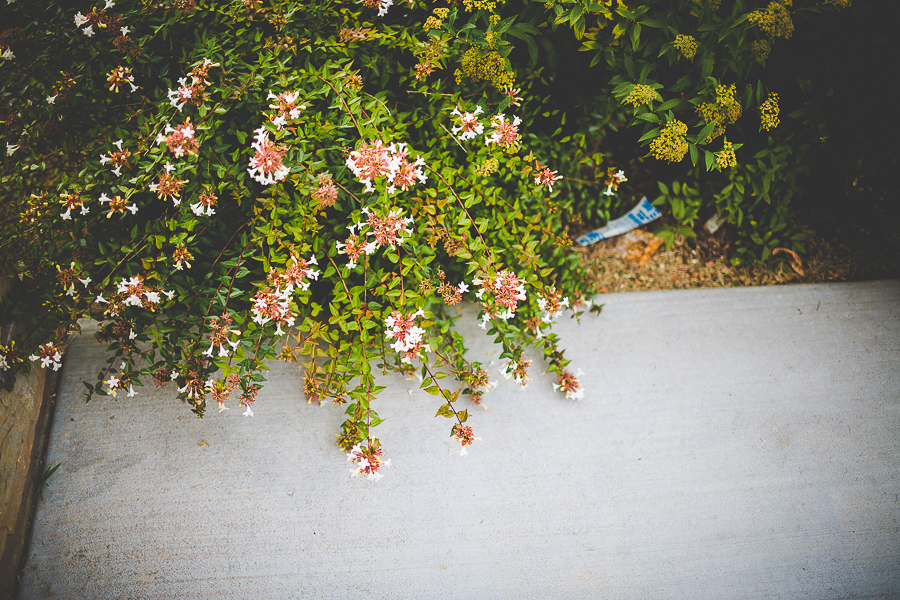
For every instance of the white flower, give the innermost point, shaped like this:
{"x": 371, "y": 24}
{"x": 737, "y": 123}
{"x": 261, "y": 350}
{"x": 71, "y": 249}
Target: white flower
{"x": 125, "y": 31}
{"x": 132, "y": 335}
{"x": 88, "y": 31}
{"x": 109, "y": 4}
{"x": 248, "y": 412}
{"x": 11, "y": 149}
{"x": 7, "y": 54}
{"x": 463, "y": 287}
{"x": 80, "y": 19}
{"x": 131, "y": 392}
{"x": 51, "y": 99}
{"x": 101, "y": 299}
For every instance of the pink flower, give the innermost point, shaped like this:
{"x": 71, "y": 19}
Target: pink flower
{"x": 546, "y": 178}
{"x": 369, "y": 162}
{"x": 267, "y": 166}
{"x": 180, "y": 141}
{"x": 408, "y": 337}
{"x": 288, "y": 109}
{"x": 506, "y": 133}
{"x": 326, "y": 194}
{"x": 469, "y": 125}
{"x": 404, "y": 174}
{"x": 368, "y": 461}
{"x": 505, "y": 290}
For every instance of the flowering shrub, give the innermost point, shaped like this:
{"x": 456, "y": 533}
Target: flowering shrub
{"x": 221, "y": 184}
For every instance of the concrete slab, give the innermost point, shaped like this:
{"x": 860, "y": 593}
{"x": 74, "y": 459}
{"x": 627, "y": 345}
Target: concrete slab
{"x": 737, "y": 443}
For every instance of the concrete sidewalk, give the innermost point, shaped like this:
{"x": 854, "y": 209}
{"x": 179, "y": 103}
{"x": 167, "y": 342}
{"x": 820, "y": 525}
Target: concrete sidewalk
{"x": 732, "y": 443}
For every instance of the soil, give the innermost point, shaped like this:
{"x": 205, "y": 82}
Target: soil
{"x": 863, "y": 244}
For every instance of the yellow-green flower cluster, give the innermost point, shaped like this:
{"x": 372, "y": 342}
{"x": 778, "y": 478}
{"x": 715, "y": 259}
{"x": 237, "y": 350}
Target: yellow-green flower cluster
{"x": 488, "y": 5}
{"x": 725, "y": 110}
{"x": 687, "y": 45}
{"x": 487, "y": 167}
{"x": 768, "y": 112}
{"x": 775, "y": 21}
{"x": 435, "y": 22}
{"x": 725, "y": 157}
{"x": 670, "y": 145}
{"x": 640, "y": 94}
{"x": 486, "y": 66}
{"x": 760, "y": 50}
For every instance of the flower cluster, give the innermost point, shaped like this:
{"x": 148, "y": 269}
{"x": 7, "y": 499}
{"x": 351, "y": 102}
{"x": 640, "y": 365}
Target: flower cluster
{"x": 760, "y": 50}
{"x": 326, "y": 194}
{"x": 169, "y": 186}
{"x": 372, "y": 161}
{"x": 452, "y": 294}
{"x": 296, "y": 275}
{"x": 205, "y": 204}
{"x": 551, "y": 305}
{"x": 182, "y": 257}
{"x": 381, "y": 5}
{"x": 775, "y": 20}
{"x": 725, "y": 110}
{"x": 99, "y": 18}
{"x": 518, "y": 370}
{"x": 220, "y": 389}
{"x": 504, "y": 291}
{"x": 118, "y": 383}
{"x": 287, "y": 107}
{"x": 133, "y": 292}
{"x": 408, "y": 338}
{"x": 505, "y": 133}
{"x": 119, "y": 77}
{"x": 486, "y": 65}
{"x": 670, "y": 144}
{"x": 545, "y": 177}
{"x": 614, "y": 179}
{"x": 368, "y": 460}
{"x": 568, "y": 382}
{"x": 9, "y": 356}
{"x": 72, "y": 199}
{"x": 119, "y": 158}
{"x": 464, "y": 435}
{"x": 220, "y": 334}
{"x": 267, "y": 165}
{"x": 687, "y": 45}
{"x": 273, "y": 304}
{"x": 641, "y": 94}
{"x": 768, "y": 112}
{"x": 192, "y": 92}
{"x": 386, "y": 231}
{"x": 725, "y": 157}
{"x": 117, "y": 205}
{"x": 180, "y": 141}
{"x": 469, "y": 126}
{"x": 49, "y": 354}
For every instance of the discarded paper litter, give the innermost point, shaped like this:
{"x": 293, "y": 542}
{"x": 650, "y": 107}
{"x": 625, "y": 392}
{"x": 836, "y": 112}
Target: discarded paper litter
{"x": 641, "y": 214}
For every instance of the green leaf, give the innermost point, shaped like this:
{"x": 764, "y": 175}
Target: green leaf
{"x": 444, "y": 411}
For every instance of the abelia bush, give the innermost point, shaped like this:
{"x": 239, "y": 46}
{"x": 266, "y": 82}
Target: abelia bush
{"x": 222, "y": 184}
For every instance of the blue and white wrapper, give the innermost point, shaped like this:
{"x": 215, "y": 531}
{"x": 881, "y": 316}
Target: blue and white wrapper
{"x": 641, "y": 214}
